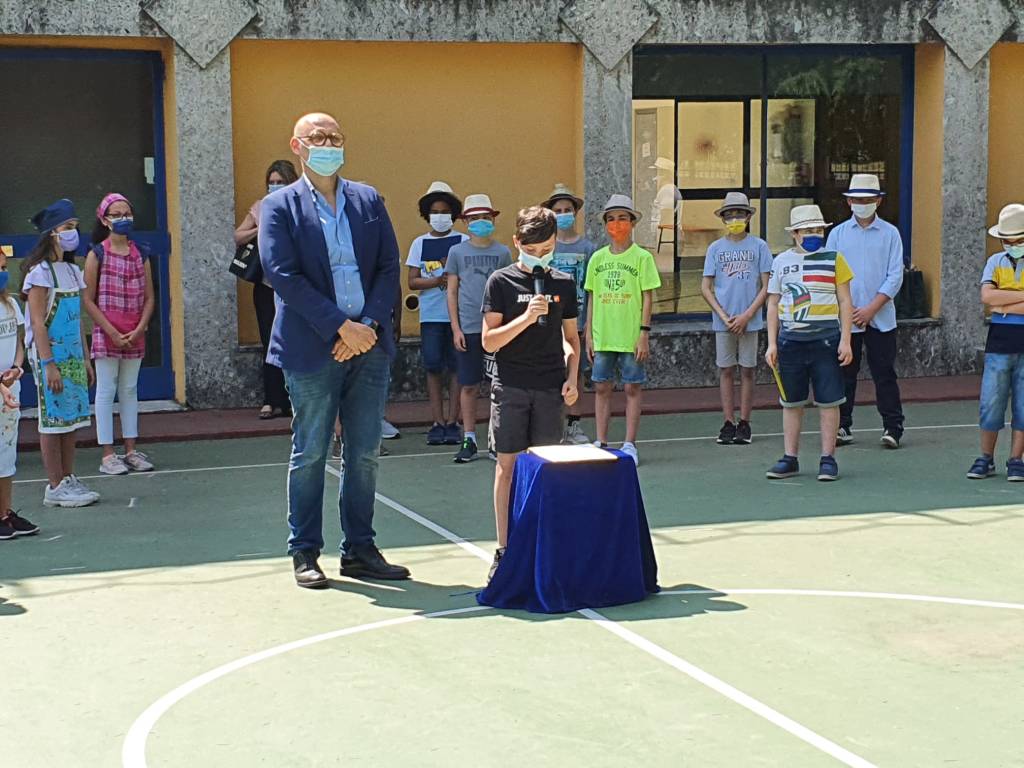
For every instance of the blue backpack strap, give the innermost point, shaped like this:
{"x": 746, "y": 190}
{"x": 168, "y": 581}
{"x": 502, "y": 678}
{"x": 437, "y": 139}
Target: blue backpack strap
{"x": 98, "y": 250}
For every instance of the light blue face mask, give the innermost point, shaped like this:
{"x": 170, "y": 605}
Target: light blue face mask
{"x": 68, "y": 240}
{"x": 565, "y": 220}
{"x": 325, "y": 161}
{"x": 1015, "y": 251}
{"x": 528, "y": 261}
{"x": 274, "y": 187}
{"x": 481, "y": 228}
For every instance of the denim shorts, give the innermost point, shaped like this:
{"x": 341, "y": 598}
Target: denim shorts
{"x": 437, "y": 347}
{"x": 1002, "y": 383}
{"x": 469, "y": 365}
{"x": 606, "y": 364}
{"x": 805, "y": 364}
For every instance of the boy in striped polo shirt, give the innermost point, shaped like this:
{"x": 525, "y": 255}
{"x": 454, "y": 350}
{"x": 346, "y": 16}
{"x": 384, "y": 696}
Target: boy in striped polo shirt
{"x": 809, "y": 320}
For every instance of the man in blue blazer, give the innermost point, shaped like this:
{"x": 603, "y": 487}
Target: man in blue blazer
{"x": 329, "y": 251}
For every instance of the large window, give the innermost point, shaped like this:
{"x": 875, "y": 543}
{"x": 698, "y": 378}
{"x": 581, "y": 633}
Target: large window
{"x": 787, "y": 126}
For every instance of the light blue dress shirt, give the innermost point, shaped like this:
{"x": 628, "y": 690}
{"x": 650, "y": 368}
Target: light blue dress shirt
{"x": 348, "y": 287}
{"x": 875, "y": 255}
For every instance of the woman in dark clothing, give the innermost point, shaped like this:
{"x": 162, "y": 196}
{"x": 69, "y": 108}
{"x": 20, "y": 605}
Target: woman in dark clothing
{"x": 275, "y": 398}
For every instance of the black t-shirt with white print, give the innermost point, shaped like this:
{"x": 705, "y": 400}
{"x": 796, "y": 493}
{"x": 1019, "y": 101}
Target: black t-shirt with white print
{"x": 534, "y": 359}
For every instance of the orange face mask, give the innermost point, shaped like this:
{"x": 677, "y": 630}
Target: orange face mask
{"x": 619, "y": 230}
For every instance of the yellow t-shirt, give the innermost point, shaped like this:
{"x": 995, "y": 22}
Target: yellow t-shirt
{"x": 616, "y": 282}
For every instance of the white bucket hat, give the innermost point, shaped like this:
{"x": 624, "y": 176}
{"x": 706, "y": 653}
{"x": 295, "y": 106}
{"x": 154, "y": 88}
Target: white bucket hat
{"x": 478, "y": 204}
{"x": 735, "y": 201}
{"x": 1011, "y": 223}
{"x": 621, "y": 203}
{"x": 864, "y": 185}
{"x": 440, "y": 189}
{"x": 806, "y": 217}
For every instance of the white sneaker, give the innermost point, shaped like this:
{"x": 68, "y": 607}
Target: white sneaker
{"x": 138, "y": 461}
{"x": 65, "y": 495}
{"x": 113, "y": 465}
{"x": 573, "y": 435}
{"x": 388, "y": 431}
{"x": 630, "y": 450}
{"x": 82, "y": 488}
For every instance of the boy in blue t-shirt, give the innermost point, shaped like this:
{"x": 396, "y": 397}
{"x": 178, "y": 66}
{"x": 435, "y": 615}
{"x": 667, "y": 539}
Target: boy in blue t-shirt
{"x": 735, "y": 285}
{"x": 572, "y": 255}
{"x": 428, "y": 255}
{"x": 1002, "y": 383}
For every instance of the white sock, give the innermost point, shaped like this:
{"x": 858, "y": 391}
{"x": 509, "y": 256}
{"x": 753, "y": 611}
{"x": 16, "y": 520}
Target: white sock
{"x": 471, "y": 435}
{"x": 629, "y": 444}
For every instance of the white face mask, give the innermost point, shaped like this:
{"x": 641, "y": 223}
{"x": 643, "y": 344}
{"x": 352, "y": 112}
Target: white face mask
{"x": 864, "y": 211}
{"x": 441, "y": 222}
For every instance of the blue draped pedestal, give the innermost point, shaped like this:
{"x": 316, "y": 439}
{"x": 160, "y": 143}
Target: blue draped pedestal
{"x": 578, "y": 538}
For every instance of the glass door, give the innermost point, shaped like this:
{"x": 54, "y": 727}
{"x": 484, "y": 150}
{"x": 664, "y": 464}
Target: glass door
{"x": 79, "y": 124}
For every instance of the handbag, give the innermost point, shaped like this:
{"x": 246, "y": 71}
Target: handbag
{"x": 912, "y": 300}
{"x": 246, "y": 263}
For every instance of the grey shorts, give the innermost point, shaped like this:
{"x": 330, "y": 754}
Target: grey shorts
{"x": 525, "y": 417}
{"x": 731, "y": 349}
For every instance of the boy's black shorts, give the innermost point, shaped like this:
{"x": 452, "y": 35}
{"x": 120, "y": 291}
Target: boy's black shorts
{"x": 525, "y": 417}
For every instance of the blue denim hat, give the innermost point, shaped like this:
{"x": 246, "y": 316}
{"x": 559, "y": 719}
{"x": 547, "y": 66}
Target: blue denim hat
{"x": 54, "y": 215}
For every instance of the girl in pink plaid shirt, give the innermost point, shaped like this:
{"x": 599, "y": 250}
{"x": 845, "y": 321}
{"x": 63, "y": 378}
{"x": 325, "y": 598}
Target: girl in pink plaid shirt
{"x": 120, "y": 299}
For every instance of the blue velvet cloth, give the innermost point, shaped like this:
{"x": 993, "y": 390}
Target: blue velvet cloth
{"x": 578, "y": 538}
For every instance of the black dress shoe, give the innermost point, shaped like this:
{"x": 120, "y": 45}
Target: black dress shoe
{"x": 307, "y": 570}
{"x": 369, "y": 563}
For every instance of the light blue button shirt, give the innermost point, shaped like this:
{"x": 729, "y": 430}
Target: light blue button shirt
{"x": 348, "y": 288}
{"x": 875, "y": 255}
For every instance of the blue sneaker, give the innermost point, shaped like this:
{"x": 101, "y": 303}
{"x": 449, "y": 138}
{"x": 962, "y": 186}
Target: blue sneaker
{"x": 452, "y": 434}
{"x": 1015, "y": 470}
{"x": 828, "y": 469}
{"x": 982, "y": 467}
{"x": 787, "y": 466}
{"x": 435, "y": 435}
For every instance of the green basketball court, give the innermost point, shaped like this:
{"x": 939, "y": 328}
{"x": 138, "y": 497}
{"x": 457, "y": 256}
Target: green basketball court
{"x": 873, "y": 621}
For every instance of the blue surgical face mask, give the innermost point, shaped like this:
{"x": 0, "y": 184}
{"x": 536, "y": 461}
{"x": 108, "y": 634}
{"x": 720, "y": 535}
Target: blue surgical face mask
{"x": 1015, "y": 251}
{"x": 274, "y": 187}
{"x": 528, "y": 261}
{"x": 565, "y": 220}
{"x": 481, "y": 228}
{"x": 325, "y": 161}
{"x": 812, "y": 243}
{"x": 122, "y": 226}
{"x": 5, "y": 278}
{"x": 68, "y": 240}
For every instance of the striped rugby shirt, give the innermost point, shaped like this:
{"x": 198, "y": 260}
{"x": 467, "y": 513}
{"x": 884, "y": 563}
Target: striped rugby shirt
{"x": 806, "y": 284}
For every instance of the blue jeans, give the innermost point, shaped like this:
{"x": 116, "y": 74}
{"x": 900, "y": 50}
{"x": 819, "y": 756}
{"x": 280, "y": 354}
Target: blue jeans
{"x": 1002, "y": 383}
{"x": 356, "y": 390}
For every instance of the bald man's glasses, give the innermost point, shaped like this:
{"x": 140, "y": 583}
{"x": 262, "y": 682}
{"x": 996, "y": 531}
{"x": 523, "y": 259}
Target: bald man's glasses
{"x": 322, "y": 139}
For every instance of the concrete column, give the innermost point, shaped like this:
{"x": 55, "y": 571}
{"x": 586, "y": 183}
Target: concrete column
{"x": 964, "y": 209}
{"x": 607, "y": 134}
{"x": 216, "y": 374}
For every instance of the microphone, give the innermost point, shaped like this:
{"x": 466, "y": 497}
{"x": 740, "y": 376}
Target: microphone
{"x": 538, "y": 290}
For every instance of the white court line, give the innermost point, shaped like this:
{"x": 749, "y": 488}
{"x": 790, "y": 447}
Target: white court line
{"x": 444, "y": 533}
{"x": 841, "y": 593}
{"x": 664, "y": 655}
{"x": 133, "y": 751}
{"x": 68, "y": 568}
{"x": 168, "y": 471}
{"x": 814, "y": 432}
{"x": 746, "y": 701}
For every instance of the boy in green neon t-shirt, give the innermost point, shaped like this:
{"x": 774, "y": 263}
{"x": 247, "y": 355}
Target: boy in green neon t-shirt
{"x": 621, "y": 278}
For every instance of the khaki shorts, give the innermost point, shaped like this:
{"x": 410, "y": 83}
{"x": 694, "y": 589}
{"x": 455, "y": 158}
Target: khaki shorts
{"x": 731, "y": 349}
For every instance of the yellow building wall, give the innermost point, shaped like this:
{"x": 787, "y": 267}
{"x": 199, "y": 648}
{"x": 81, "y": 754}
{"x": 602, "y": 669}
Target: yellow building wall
{"x": 926, "y": 236}
{"x": 1005, "y": 154}
{"x": 504, "y": 119}
{"x": 166, "y": 49}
